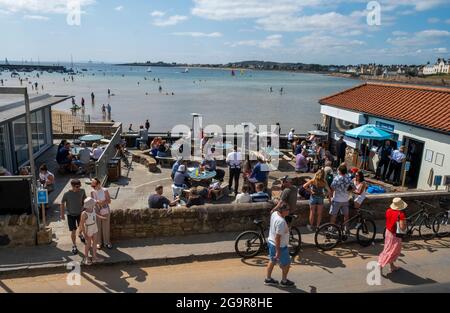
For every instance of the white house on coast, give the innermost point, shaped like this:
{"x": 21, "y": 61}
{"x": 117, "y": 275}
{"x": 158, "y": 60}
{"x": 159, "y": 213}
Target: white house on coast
{"x": 441, "y": 66}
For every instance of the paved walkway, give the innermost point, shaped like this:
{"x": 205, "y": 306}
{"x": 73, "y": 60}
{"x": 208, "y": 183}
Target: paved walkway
{"x": 424, "y": 269}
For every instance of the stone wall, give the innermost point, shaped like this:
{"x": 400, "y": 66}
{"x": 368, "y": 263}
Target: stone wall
{"x": 105, "y": 129}
{"x": 18, "y": 230}
{"x": 146, "y": 223}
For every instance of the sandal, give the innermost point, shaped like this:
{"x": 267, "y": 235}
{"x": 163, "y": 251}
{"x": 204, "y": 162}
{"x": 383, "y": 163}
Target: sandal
{"x": 87, "y": 261}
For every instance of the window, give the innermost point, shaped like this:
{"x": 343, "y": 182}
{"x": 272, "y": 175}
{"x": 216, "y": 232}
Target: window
{"x": 20, "y": 141}
{"x": 38, "y": 130}
{"x": 3, "y": 143}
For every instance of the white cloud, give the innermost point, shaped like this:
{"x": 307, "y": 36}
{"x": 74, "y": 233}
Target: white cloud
{"x": 399, "y": 33}
{"x": 36, "y": 17}
{"x": 433, "y": 20}
{"x": 198, "y": 34}
{"x": 440, "y": 50}
{"x": 119, "y": 8}
{"x": 322, "y": 44}
{"x": 40, "y": 6}
{"x": 236, "y": 9}
{"x": 418, "y": 5}
{"x": 447, "y": 21}
{"x": 423, "y": 38}
{"x": 269, "y": 42}
{"x": 170, "y": 21}
{"x": 332, "y": 21}
{"x": 157, "y": 14}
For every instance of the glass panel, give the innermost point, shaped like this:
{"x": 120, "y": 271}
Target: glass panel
{"x": 41, "y": 128}
{"x": 3, "y": 146}
{"x": 34, "y": 132}
{"x": 20, "y": 140}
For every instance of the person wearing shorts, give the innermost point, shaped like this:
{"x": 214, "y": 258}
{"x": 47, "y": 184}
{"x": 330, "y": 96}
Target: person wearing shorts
{"x": 318, "y": 188}
{"x": 340, "y": 187}
{"x": 73, "y": 201}
{"x": 278, "y": 243}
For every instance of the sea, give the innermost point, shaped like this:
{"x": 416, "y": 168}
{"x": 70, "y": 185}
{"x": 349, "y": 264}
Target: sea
{"x": 219, "y": 96}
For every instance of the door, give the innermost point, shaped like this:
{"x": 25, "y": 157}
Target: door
{"x": 414, "y": 153}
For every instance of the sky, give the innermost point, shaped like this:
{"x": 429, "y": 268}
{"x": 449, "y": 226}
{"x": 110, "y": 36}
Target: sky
{"x": 222, "y": 31}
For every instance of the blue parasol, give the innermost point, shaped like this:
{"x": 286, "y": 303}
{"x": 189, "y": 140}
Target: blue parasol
{"x": 368, "y": 131}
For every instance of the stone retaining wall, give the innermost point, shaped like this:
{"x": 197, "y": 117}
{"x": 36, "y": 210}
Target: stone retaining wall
{"x": 147, "y": 223}
{"x": 18, "y": 230}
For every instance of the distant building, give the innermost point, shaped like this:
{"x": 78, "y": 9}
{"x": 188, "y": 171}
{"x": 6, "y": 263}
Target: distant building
{"x": 440, "y": 67}
{"x": 418, "y": 117}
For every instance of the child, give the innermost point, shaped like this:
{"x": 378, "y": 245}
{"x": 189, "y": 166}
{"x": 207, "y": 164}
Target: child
{"x": 88, "y": 226}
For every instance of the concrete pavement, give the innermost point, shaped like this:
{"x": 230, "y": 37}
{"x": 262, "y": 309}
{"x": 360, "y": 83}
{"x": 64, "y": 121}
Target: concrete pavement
{"x": 424, "y": 269}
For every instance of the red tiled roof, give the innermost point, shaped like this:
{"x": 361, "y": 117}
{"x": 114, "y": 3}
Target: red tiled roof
{"x": 423, "y": 106}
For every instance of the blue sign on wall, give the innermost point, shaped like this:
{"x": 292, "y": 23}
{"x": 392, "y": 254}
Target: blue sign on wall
{"x": 42, "y": 196}
{"x": 385, "y": 126}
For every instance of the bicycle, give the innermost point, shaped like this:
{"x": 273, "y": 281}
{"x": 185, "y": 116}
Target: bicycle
{"x": 251, "y": 243}
{"x": 422, "y": 219}
{"x": 441, "y": 223}
{"x": 329, "y": 235}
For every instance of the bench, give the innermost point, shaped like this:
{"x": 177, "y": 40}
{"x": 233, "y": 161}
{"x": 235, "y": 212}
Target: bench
{"x": 166, "y": 161}
{"x": 144, "y": 158}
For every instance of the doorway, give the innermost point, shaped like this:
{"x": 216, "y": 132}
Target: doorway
{"x": 414, "y": 153}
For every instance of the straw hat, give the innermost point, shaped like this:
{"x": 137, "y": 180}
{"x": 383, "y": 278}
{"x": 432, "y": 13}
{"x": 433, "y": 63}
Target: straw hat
{"x": 398, "y": 204}
{"x": 89, "y": 203}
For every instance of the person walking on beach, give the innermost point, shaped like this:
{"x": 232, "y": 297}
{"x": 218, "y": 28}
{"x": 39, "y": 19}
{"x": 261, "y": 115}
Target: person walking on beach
{"x": 89, "y": 229}
{"x": 109, "y": 109}
{"x": 316, "y": 187}
{"x": 395, "y": 222}
{"x": 281, "y": 91}
{"x": 130, "y": 128}
{"x": 160, "y": 89}
{"x": 103, "y": 109}
{"x": 109, "y": 92}
{"x": 103, "y": 200}
{"x": 73, "y": 200}
{"x": 147, "y": 125}
{"x": 234, "y": 161}
{"x": 92, "y": 97}
{"x": 271, "y": 90}
{"x": 278, "y": 242}
{"x": 82, "y": 102}
{"x": 73, "y": 102}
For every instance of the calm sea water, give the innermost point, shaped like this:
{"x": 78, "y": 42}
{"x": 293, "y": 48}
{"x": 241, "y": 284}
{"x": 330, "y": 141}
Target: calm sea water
{"x": 221, "y": 98}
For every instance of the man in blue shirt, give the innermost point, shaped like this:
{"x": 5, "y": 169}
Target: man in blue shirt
{"x": 175, "y": 167}
{"x": 260, "y": 195}
{"x": 258, "y": 175}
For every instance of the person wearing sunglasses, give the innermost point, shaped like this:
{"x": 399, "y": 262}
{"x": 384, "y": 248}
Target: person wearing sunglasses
{"x": 72, "y": 202}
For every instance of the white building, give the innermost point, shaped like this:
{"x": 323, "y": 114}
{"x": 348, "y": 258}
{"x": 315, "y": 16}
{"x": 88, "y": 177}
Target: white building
{"x": 417, "y": 117}
{"x": 440, "y": 67}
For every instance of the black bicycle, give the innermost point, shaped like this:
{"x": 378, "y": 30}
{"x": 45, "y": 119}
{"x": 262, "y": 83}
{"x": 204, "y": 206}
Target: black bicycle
{"x": 251, "y": 243}
{"x": 441, "y": 222}
{"x": 329, "y": 235}
{"x": 421, "y": 221}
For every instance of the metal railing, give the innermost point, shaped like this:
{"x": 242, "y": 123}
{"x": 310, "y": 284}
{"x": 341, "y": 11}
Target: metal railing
{"x": 101, "y": 166}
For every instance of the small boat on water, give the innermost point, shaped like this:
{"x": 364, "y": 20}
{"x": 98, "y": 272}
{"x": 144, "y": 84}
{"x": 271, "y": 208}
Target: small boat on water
{"x": 84, "y": 69}
{"x": 149, "y": 70}
{"x": 186, "y": 70}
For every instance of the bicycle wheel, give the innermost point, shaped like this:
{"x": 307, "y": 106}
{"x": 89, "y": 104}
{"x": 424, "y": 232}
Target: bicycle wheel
{"x": 328, "y": 236}
{"x": 248, "y": 244}
{"x": 366, "y": 232}
{"x": 426, "y": 228}
{"x": 441, "y": 225}
{"x": 295, "y": 241}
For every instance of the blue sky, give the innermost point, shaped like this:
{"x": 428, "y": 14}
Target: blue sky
{"x": 221, "y": 31}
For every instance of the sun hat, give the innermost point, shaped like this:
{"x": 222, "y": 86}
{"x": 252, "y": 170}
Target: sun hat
{"x": 398, "y": 204}
{"x": 182, "y": 169}
{"x": 89, "y": 203}
{"x": 2, "y": 170}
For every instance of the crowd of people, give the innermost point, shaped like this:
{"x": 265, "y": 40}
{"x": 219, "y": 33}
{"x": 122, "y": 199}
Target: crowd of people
{"x": 80, "y": 162}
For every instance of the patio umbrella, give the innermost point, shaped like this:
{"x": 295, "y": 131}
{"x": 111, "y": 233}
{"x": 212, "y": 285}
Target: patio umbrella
{"x": 318, "y": 133}
{"x": 368, "y": 131}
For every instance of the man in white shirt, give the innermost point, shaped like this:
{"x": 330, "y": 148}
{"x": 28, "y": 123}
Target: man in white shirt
{"x": 234, "y": 161}
{"x": 97, "y": 152}
{"x": 278, "y": 243}
{"x": 85, "y": 154}
{"x": 398, "y": 157}
{"x": 291, "y": 138}
{"x": 244, "y": 196}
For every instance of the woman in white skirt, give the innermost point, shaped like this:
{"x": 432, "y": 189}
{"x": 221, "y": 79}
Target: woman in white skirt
{"x": 103, "y": 200}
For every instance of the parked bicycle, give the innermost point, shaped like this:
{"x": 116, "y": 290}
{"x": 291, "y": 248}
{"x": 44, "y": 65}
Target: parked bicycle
{"x": 251, "y": 243}
{"x": 329, "y": 235}
{"x": 421, "y": 221}
{"x": 441, "y": 223}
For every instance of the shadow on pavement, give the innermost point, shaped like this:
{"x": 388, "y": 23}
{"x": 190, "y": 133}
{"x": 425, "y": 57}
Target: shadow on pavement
{"x": 405, "y": 277}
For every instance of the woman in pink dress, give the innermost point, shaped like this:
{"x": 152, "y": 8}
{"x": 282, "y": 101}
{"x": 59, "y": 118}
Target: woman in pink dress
{"x": 392, "y": 243}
